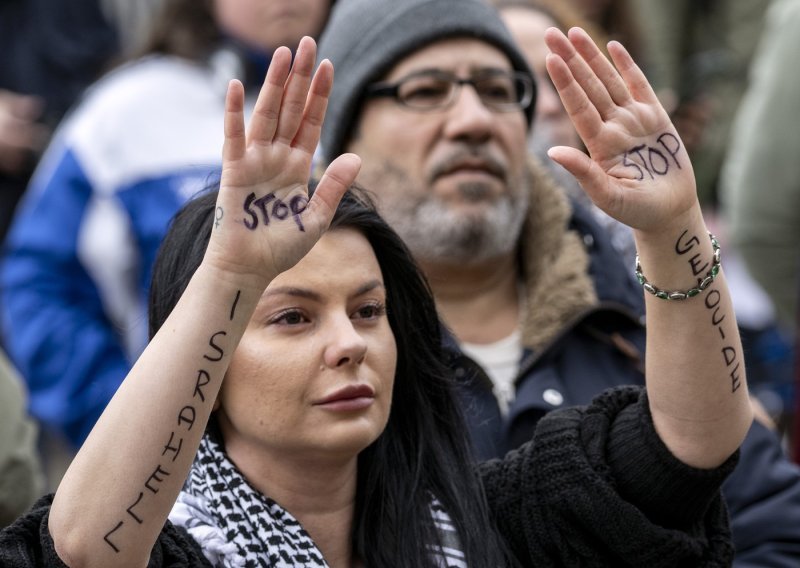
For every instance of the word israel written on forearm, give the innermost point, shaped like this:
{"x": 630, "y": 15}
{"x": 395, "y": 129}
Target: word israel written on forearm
{"x": 713, "y": 300}
{"x": 651, "y": 159}
{"x": 185, "y": 421}
{"x": 273, "y": 208}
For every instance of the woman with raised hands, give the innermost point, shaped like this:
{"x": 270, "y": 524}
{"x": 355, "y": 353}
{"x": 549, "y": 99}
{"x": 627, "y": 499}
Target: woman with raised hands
{"x": 292, "y": 407}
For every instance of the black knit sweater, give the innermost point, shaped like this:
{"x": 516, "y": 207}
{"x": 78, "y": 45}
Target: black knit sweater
{"x": 595, "y": 487}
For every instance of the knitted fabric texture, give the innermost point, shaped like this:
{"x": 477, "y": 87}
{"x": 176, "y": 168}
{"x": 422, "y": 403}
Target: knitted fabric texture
{"x": 575, "y": 496}
{"x": 364, "y": 39}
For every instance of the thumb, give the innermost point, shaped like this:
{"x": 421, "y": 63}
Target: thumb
{"x": 338, "y": 177}
{"x": 589, "y": 174}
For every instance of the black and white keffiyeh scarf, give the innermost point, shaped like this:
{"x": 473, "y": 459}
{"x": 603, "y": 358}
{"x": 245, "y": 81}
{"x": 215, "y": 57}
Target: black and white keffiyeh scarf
{"x": 238, "y": 527}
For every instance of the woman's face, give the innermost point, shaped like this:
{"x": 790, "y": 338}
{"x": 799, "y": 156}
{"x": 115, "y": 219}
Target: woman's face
{"x": 268, "y": 24}
{"x": 313, "y": 374}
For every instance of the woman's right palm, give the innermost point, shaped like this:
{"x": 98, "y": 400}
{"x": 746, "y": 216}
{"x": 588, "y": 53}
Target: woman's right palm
{"x": 264, "y": 221}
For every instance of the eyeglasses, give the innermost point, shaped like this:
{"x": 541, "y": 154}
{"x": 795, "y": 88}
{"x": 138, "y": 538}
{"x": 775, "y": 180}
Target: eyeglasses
{"x": 499, "y": 90}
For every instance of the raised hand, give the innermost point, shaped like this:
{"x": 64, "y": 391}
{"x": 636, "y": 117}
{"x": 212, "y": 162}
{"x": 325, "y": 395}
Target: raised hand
{"x": 638, "y": 170}
{"x": 264, "y": 220}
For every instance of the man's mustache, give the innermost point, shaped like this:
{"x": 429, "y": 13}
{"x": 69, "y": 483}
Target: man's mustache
{"x": 472, "y": 158}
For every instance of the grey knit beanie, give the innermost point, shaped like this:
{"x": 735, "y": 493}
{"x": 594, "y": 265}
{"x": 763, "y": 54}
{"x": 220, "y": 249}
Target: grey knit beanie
{"x": 364, "y": 39}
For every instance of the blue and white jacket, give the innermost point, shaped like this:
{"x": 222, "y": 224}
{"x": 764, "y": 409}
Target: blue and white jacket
{"x": 77, "y": 260}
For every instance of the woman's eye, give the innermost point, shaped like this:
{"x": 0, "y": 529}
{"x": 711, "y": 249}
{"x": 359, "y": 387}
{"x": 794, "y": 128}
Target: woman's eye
{"x": 371, "y": 311}
{"x": 289, "y": 318}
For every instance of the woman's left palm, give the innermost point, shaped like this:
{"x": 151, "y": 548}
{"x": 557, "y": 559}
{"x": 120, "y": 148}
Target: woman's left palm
{"x": 638, "y": 170}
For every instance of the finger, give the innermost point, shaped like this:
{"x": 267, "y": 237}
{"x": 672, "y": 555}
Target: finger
{"x": 581, "y": 71}
{"x": 25, "y": 107}
{"x": 338, "y": 177}
{"x": 601, "y": 66}
{"x": 582, "y": 112}
{"x": 235, "y": 142}
{"x": 634, "y": 78}
{"x": 296, "y": 91}
{"x": 589, "y": 174}
{"x": 310, "y": 128}
{"x": 22, "y": 134}
{"x": 264, "y": 123}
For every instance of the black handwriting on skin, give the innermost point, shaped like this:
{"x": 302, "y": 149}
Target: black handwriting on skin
{"x": 713, "y": 299}
{"x": 186, "y": 418}
{"x": 273, "y": 208}
{"x": 652, "y": 159}
{"x": 695, "y": 261}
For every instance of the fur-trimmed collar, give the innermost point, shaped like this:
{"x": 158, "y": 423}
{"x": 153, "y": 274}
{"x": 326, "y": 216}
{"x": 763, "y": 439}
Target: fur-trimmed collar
{"x": 554, "y": 263}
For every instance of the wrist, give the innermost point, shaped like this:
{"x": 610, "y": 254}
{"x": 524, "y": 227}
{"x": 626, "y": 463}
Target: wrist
{"x": 703, "y": 281}
{"x": 223, "y": 278}
{"x": 681, "y": 258}
{"x": 234, "y": 274}
{"x": 667, "y": 233}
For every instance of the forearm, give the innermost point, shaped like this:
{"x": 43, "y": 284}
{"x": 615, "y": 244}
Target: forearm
{"x": 116, "y": 495}
{"x": 695, "y": 368}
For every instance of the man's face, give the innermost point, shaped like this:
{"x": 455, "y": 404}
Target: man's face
{"x": 451, "y": 181}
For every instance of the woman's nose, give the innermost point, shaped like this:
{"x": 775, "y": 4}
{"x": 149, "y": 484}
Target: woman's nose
{"x": 345, "y": 345}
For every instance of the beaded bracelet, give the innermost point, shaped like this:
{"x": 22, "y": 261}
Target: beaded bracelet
{"x": 677, "y": 294}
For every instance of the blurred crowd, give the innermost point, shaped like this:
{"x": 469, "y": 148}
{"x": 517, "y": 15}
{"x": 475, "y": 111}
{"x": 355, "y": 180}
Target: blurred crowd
{"x": 95, "y": 98}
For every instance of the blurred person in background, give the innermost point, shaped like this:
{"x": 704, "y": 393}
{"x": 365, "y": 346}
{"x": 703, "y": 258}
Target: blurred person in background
{"x": 52, "y": 51}
{"x": 144, "y": 139}
{"x": 21, "y": 478}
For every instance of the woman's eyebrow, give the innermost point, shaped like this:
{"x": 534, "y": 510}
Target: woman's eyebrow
{"x": 292, "y": 291}
{"x": 368, "y": 287}
{"x": 312, "y": 295}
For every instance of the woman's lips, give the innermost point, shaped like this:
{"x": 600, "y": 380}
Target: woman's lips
{"x": 349, "y": 398}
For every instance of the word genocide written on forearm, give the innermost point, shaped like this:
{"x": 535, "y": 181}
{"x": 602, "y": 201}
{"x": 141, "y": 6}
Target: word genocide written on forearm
{"x": 713, "y": 298}
{"x": 186, "y": 418}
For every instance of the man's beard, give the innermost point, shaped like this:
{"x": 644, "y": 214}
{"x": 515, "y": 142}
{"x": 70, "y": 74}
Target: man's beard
{"x": 439, "y": 232}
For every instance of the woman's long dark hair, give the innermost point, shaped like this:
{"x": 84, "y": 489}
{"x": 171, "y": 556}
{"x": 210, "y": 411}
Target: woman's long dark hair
{"x": 424, "y": 451}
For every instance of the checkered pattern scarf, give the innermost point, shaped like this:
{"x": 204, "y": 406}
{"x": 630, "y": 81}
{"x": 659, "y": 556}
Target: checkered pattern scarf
{"x": 236, "y": 526}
